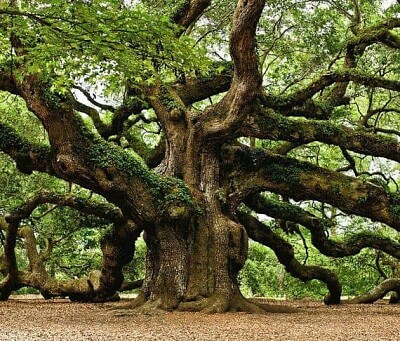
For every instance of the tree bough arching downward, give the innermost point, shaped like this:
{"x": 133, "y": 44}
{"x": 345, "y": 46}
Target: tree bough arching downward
{"x": 237, "y": 136}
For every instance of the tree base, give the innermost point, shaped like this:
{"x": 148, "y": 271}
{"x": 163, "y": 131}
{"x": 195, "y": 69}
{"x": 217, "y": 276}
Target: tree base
{"x": 210, "y": 305}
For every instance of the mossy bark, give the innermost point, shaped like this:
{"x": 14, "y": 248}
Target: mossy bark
{"x": 195, "y": 268}
{"x": 98, "y": 286}
{"x": 388, "y": 285}
{"x": 192, "y": 262}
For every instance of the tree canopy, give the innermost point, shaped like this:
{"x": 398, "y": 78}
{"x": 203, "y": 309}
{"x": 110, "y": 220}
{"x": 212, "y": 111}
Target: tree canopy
{"x": 201, "y": 123}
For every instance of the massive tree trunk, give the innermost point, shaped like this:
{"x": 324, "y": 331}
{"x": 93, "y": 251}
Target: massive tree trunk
{"x": 194, "y": 266}
{"x": 188, "y": 201}
{"x": 192, "y": 263}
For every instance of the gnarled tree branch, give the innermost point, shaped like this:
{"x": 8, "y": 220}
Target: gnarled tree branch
{"x": 318, "y": 227}
{"x": 285, "y": 253}
{"x": 89, "y": 206}
{"x": 248, "y": 172}
{"x": 246, "y": 84}
{"x": 266, "y": 124}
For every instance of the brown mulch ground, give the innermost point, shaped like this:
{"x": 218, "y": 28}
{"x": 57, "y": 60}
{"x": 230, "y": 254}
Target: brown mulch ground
{"x": 36, "y": 319}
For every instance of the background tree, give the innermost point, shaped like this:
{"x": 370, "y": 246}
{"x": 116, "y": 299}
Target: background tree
{"x": 207, "y": 119}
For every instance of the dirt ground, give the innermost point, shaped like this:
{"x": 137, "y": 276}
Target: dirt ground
{"x": 36, "y": 319}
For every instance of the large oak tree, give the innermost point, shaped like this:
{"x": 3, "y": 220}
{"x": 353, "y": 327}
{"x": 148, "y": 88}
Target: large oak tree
{"x": 242, "y": 93}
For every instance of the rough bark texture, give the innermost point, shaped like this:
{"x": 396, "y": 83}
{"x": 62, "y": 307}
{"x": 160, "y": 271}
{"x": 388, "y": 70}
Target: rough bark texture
{"x": 392, "y": 284}
{"x": 188, "y": 203}
{"x": 118, "y": 247}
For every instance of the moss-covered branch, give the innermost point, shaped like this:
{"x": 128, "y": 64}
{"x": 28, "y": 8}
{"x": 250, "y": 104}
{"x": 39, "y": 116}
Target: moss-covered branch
{"x": 89, "y": 206}
{"x": 79, "y": 155}
{"x": 277, "y": 127}
{"x": 250, "y": 171}
{"x": 318, "y": 227}
{"x": 27, "y": 156}
{"x": 377, "y": 34}
{"x": 391, "y": 284}
{"x": 285, "y": 254}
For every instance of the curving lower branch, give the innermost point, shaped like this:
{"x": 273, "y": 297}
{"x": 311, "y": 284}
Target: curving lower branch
{"x": 318, "y": 227}
{"x": 391, "y": 284}
{"x": 285, "y": 254}
{"x": 118, "y": 247}
{"x": 89, "y": 206}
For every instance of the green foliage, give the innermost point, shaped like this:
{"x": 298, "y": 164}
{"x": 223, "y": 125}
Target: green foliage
{"x": 264, "y": 276}
{"x": 101, "y": 43}
{"x": 108, "y": 45}
{"x": 135, "y": 270}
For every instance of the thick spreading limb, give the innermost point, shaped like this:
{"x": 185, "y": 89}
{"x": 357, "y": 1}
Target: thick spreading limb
{"x": 246, "y": 84}
{"x": 249, "y": 171}
{"x": 318, "y": 227}
{"x": 78, "y": 155}
{"x": 194, "y": 90}
{"x": 268, "y": 125}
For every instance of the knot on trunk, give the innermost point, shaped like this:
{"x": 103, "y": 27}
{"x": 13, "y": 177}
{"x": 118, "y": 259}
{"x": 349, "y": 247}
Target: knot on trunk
{"x": 65, "y": 164}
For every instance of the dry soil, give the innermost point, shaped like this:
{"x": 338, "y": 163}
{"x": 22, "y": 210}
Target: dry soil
{"x": 59, "y": 319}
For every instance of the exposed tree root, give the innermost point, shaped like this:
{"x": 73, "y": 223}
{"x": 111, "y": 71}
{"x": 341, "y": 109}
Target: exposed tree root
{"x": 140, "y": 305}
{"x": 235, "y": 303}
{"x": 210, "y": 305}
{"x": 394, "y": 297}
{"x": 391, "y": 284}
